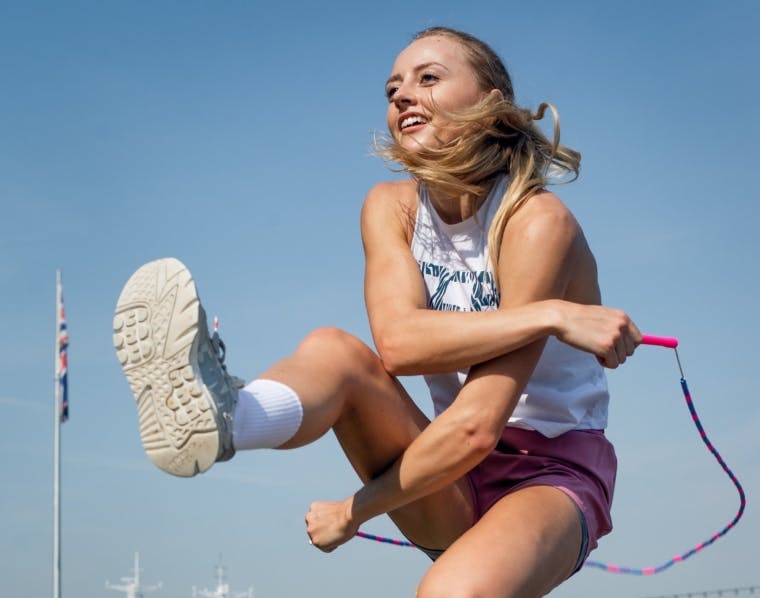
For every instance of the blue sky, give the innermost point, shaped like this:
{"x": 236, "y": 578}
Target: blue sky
{"x": 237, "y": 136}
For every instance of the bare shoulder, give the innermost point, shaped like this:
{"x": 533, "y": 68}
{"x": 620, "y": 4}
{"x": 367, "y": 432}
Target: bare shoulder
{"x": 391, "y": 203}
{"x": 391, "y": 193}
{"x": 546, "y": 230}
{"x": 544, "y": 218}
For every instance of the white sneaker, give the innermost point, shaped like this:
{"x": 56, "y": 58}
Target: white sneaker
{"x": 185, "y": 397}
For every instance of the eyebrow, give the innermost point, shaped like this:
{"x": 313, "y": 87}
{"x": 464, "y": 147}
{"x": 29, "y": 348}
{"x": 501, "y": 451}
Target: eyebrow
{"x": 417, "y": 69}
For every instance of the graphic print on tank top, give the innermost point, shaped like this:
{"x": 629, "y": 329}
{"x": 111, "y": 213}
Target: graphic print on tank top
{"x": 477, "y": 286}
{"x": 453, "y": 257}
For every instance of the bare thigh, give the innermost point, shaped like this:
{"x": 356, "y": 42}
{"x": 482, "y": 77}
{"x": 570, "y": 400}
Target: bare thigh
{"x": 343, "y": 386}
{"x": 525, "y": 545}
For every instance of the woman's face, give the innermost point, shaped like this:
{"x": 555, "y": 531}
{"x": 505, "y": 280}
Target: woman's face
{"x": 432, "y": 72}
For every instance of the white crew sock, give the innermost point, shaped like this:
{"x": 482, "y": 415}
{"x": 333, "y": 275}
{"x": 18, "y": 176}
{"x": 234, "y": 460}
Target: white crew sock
{"x": 267, "y": 414}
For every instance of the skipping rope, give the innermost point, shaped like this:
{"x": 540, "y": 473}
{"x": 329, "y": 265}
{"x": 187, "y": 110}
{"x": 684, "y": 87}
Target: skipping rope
{"x": 669, "y": 343}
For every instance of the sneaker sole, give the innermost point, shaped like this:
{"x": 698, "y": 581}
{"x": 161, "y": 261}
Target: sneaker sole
{"x": 157, "y": 325}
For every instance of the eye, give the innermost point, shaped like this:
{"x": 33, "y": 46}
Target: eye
{"x": 428, "y": 78}
{"x": 390, "y": 91}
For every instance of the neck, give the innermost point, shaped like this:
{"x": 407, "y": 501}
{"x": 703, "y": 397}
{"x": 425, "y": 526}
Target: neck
{"x": 455, "y": 208}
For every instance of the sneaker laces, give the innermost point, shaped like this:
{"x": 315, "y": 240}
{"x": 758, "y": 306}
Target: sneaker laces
{"x": 220, "y": 351}
{"x": 227, "y": 450}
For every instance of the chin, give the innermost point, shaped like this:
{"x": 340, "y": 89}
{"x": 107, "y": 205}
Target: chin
{"x": 415, "y": 145}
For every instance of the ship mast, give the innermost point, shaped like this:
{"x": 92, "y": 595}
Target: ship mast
{"x": 132, "y": 586}
{"x": 222, "y": 589}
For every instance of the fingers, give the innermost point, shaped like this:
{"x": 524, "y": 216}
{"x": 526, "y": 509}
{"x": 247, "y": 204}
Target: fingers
{"x": 608, "y": 333}
{"x": 311, "y": 531}
{"x": 324, "y": 526}
{"x": 625, "y": 337}
{"x": 636, "y": 334}
{"x": 631, "y": 338}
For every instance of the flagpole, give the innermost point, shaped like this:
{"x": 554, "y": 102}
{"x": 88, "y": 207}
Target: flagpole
{"x": 57, "y": 450}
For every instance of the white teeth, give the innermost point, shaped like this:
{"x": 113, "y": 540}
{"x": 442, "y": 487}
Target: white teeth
{"x": 412, "y": 120}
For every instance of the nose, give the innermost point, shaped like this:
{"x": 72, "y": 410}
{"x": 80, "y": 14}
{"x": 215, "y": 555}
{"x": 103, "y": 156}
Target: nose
{"x": 404, "y": 95}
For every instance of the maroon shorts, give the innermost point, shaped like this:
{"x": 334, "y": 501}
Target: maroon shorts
{"x": 581, "y": 463}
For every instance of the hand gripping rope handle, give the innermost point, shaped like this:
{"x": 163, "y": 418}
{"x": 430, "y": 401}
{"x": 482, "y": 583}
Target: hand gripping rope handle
{"x": 669, "y": 343}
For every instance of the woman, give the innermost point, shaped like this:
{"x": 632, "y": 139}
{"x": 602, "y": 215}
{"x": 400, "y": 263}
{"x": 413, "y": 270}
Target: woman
{"x": 477, "y": 278}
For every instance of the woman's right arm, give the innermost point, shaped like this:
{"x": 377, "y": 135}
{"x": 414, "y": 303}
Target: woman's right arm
{"x": 413, "y": 339}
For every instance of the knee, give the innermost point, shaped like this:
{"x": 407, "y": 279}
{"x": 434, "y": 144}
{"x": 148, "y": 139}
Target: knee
{"x": 329, "y": 338}
{"x": 428, "y": 588}
{"x": 439, "y": 586}
{"x": 344, "y": 350}
{"x": 445, "y": 582}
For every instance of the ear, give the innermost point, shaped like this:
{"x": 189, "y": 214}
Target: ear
{"x": 496, "y": 92}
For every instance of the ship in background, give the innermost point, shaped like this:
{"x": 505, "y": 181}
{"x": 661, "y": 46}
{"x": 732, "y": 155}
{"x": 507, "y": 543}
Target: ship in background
{"x": 132, "y": 586}
{"x": 222, "y": 589}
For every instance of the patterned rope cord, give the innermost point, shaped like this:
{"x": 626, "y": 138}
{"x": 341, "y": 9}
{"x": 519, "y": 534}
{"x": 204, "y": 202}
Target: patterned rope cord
{"x": 702, "y": 545}
{"x": 671, "y": 343}
{"x": 385, "y": 540}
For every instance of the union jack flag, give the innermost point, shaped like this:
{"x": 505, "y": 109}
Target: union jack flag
{"x": 62, "y": 366}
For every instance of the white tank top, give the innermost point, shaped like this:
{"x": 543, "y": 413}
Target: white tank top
{"x": 568, "y": 388}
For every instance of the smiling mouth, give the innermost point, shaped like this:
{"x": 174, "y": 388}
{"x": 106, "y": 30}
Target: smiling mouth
{"x": 413, "y": 121}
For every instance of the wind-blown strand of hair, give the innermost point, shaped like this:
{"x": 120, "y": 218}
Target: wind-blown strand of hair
{"x": 502, "y": 138}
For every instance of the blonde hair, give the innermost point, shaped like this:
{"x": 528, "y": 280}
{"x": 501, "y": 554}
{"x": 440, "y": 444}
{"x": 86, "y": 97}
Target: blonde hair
{"x": 501, "y": 138}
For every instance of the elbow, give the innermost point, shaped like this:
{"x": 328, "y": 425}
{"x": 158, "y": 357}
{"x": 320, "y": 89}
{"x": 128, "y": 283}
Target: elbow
{"x": 480, "y": 436}
{"x": 481, "y": 443}
{"x": 392, "y": 353}
{"x": 394, "y": 363}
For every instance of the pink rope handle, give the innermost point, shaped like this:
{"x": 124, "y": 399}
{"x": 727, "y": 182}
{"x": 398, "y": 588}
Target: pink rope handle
{"x": 661, "y": 341}
{"x": 669, "y": 343}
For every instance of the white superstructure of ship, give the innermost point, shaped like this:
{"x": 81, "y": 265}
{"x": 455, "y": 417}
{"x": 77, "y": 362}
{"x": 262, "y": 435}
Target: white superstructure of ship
{"x": 222, "y": 589}
{"x": 132, "y": 586}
